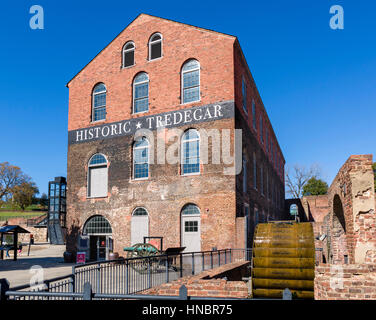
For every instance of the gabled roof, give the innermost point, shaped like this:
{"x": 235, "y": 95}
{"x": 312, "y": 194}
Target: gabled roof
{"x": 144, "y": 14}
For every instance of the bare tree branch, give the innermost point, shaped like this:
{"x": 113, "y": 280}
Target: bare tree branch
{"x": 297, "y": 177}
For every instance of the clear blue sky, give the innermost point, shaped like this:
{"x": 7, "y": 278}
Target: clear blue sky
{"x": 318, "y": 84}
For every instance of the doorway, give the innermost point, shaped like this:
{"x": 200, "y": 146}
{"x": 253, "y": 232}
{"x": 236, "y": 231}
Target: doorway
{"x": 191, "y": 228}
{"x": 100, "y": 238}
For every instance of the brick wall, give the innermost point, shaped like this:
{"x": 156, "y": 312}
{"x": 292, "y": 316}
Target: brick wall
{"x": 345, "y": 282}
{"x": 165, "y": 193}
{"x": 206, "y": 285}
{"x": 352, "y": 201}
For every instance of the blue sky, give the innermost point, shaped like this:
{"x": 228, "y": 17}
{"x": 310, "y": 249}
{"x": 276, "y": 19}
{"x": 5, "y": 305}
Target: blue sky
{"x": 318, "y": 84}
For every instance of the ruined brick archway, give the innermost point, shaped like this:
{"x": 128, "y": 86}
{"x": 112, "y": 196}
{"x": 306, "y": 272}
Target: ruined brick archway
{"x": 339, "y": 252}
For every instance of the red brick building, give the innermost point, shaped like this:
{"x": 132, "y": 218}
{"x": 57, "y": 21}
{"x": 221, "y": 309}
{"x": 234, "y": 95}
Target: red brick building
{"x": 165, "y": 76}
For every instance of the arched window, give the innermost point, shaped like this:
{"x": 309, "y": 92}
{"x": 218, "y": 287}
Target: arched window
{"x": 190, "y": 81}
{"x": 128, "y": 54}
{"x": 155, "y": 46}
{"x": 141, "y": 93}
{"x": 97, "y": 225}
{"x": 190, "y": 152}
{"x": 97, "y": 176}
{"x": 190, "y": 209}
{"x": 99, "y": 102}
{"x": 141, "y": 159}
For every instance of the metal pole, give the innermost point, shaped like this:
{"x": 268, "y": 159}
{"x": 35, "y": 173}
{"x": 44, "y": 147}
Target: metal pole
{"x": 126, "y": 278}
{"x": 193, "y": 263}
{"x": 166, "y": 264}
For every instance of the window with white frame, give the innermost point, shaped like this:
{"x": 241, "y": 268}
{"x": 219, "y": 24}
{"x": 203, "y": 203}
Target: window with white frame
{"x": 141, "y": 93}
{"x": 97, "y": 176}
{"x": 128, "y": 54}
{"x": 141, "y": 159}
{"x": 155, "y": 46}
{"x": 190, "y": 163}
{"x": 244, "y": 95}
{"x": 190, "y": 81}
{"x": 254, "y": 114}
{"x": 254, "y": 171}
{"x": 99, "y": 102}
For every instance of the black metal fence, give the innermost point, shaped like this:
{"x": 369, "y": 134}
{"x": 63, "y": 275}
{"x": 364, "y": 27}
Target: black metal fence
{"x": 123, "y": 277}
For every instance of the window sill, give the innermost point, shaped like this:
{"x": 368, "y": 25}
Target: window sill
{"x": 141, "y": 112}
{"x": 127, "y": 67}
{"x": 156, "y": 59}
{"x": 140, "y": 179}
{"x": 185, "y": 103}
{"x": 98, "y": 121}
{"x": 99, "y": 197}
{"x": 191, "y": 174}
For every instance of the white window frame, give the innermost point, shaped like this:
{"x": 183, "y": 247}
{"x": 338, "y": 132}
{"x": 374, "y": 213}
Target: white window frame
{"x": 133, "y": 160}
{"x": 88, "y": 175}
{"x": 182, "y": 153}
{"x": 182, "y": 82}
{"x": 128, "y": 50}
{"x": 153, "y": 42}
{"x": 134, "y": 87}
{"x": 93, "y": 101}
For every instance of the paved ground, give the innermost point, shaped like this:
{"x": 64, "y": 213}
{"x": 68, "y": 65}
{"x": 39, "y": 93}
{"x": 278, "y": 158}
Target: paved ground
{"x": 49, "y": 257}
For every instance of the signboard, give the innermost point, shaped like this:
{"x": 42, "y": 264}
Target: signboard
{"x": 177, "y": 118}
{"x": 294, "y": 210}
{"x": 81, "y": 257}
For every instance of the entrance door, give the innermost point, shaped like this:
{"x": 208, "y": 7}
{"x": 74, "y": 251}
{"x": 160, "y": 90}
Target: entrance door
{"x": 191, "y": 234}
{"x": 139, "y": 226}
{"x": 98, "y": 248}
{"x": 190, "y": 228}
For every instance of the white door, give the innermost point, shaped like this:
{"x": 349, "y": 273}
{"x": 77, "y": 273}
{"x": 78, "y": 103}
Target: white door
{"x": 191, "y": 233}
{"x": 139, "y": 229}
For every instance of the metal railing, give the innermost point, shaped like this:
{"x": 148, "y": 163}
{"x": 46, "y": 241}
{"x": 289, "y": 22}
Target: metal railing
{"x": 132, "y": 275}
{"x": 123, "y": 277}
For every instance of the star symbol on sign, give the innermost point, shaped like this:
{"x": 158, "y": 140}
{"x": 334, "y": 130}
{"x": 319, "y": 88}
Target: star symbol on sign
{"x": 138, "y": 125}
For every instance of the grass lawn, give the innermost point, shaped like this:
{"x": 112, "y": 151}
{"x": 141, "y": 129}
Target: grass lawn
{"x": 21, "y": 213}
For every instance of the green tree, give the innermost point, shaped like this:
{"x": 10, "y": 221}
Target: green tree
{"x": 10, "y": 177}
{"x": 24, "y": 194}
{"x": 315, "y": 187}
